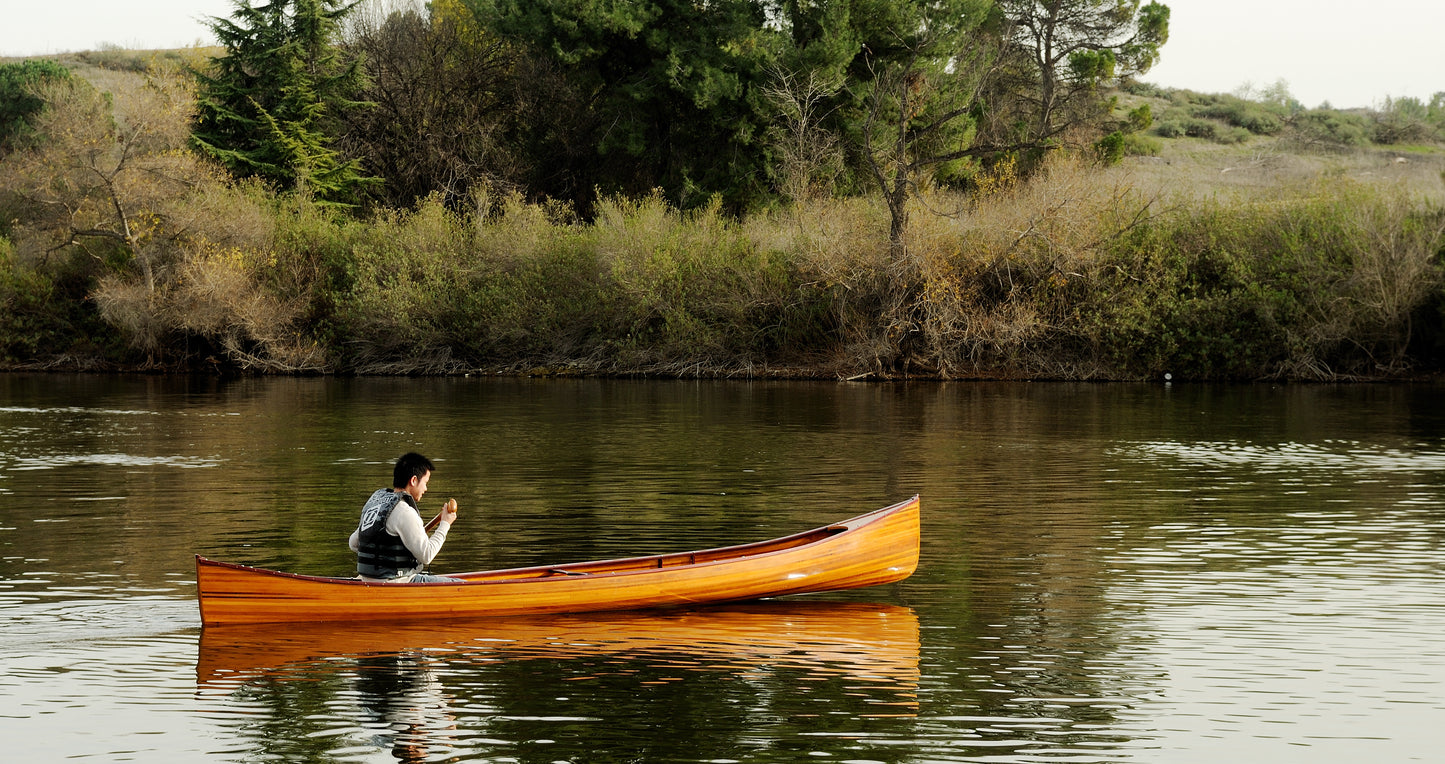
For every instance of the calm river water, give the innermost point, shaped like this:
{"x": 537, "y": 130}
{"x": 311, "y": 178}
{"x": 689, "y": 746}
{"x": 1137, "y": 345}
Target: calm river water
{"x": 1110, "y": 573}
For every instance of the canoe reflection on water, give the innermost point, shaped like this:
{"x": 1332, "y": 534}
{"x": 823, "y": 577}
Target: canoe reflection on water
{"x": 868, "y": 640}
{"x": 421, "y": 689}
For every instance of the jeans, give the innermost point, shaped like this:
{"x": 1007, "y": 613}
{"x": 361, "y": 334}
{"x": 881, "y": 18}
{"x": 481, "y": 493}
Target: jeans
{"x": 427, "y": 578}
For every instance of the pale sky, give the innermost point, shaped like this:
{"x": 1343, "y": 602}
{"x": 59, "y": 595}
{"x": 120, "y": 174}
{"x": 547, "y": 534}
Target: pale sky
{"x": 1347, "y": 53}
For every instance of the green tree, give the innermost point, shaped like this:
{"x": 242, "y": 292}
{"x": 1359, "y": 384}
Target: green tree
{"x": 1064, "y": 50}
{"x": 920, "y": 79}
{"x": 268, "y": 107}
{"x": 669, "y": 89}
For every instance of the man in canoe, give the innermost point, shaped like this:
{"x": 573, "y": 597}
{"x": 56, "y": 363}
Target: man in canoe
{"x": 391, "y": 544}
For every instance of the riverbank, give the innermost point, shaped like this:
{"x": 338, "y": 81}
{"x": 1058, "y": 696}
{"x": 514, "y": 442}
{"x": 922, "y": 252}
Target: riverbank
{"x": 1256, "y": 258}
{"x": 1077, "y": 274}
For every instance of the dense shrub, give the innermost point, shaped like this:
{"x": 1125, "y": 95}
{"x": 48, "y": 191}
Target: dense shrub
{"x": 1328, "y": 129}
{"x": 1405, "y": 120}
{"x": 1110, "y": 148}
{"x": 46, "y": 318}
{"x": 1170, "y": 129}
{"x": 642, "y": 288}
{"x": 1202, "y": 128}
{"x": 1066, "y": 278}
{"x": 1138, "y": 144}
{"x": 1256, "y": 118}
{"x": 20, "y": 101}
{"x": 1315, "y": 285}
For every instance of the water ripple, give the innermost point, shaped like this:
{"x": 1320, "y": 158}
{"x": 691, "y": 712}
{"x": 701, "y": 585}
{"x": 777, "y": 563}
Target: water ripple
{"x": 112, "y": 460}
{"x": 1327, "y": 456}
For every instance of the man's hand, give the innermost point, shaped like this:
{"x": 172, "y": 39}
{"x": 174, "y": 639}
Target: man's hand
{"x": 448, "y": 513}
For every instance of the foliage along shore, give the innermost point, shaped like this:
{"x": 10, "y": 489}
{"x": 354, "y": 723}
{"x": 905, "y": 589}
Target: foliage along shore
{"x": 1076, "y": 272}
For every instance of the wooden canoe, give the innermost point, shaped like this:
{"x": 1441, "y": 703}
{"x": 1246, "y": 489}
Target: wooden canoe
{"x": 878, "y": 547}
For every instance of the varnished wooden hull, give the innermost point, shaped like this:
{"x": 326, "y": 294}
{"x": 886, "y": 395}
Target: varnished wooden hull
{"x": 879, "y": 547}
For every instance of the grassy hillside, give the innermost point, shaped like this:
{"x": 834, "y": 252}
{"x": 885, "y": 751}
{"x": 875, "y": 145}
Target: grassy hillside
{"x": 1287, "y": 146}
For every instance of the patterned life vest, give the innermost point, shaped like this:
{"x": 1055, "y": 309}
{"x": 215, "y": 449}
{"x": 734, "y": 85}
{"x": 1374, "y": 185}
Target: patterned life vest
{"x": 380, "y": 554}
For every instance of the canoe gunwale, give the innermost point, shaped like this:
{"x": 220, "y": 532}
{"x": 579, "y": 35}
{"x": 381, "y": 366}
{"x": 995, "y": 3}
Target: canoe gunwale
{"x": 728, "y": 554}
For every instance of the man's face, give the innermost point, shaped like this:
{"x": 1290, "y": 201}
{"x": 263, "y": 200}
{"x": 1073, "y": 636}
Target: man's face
{"x": 417, "y": 486}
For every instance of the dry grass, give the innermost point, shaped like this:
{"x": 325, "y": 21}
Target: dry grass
{"x": 1198, "y": 169}
{"x": 990, "y": 271}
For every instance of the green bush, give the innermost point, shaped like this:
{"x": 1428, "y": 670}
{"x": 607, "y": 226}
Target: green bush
{"x": 1170, "y": 129}
{"x": 1144, "y": 89}
{"x": 23, "y": 295}
{"x": 1110, "y": 148}
{"x": 1329, "y": 129}
{"x": 1201, "y": 128}
{"x": 18, "y": 99}
{"x": 1140, "y": 145}
{"x": 1403, "y": 121}
{"x": 45, "y": 316}
{"x": 689, "y": 286}
{"x": 1233, "y": 135}
{"x": 1315, "y": 286}
{"x": 642, "y": 288}
{"x": 1256, "y": 118}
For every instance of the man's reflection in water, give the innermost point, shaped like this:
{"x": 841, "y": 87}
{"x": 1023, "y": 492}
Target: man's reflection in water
{"x": 403, "y": 699}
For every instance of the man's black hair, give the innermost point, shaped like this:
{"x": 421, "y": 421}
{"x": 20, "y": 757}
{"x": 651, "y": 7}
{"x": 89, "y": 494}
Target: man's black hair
{"x": 411, "y": 465}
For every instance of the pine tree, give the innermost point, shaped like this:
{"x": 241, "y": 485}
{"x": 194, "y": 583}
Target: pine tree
{"x": 267, "y": 108}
